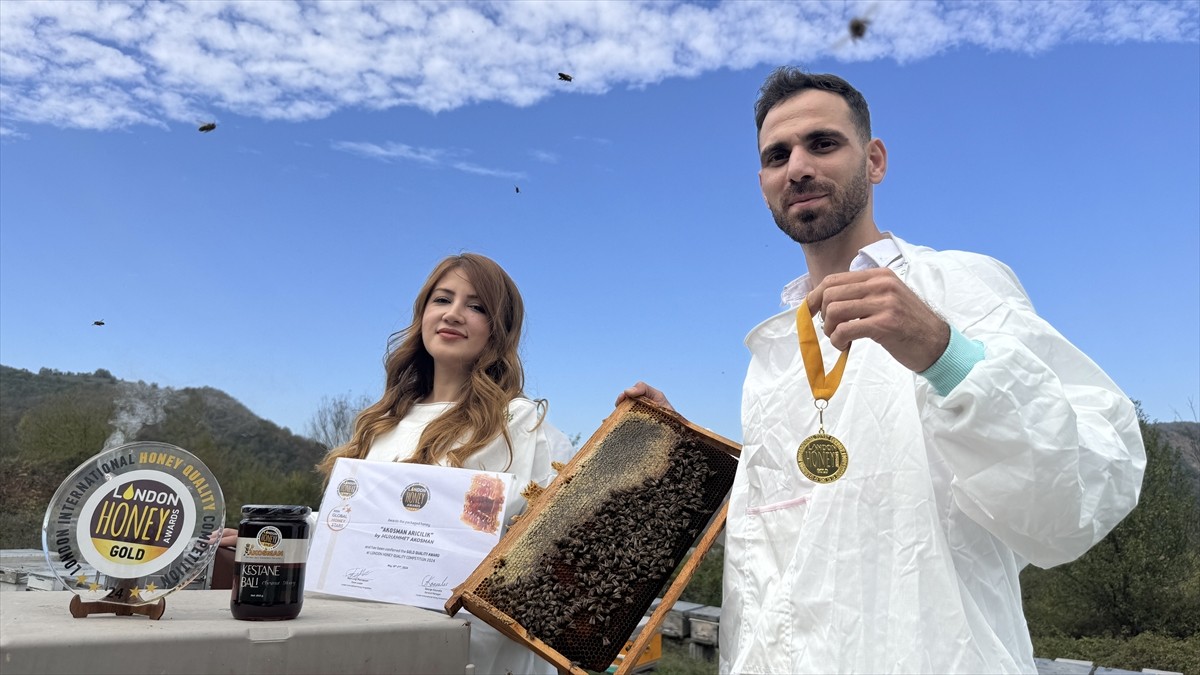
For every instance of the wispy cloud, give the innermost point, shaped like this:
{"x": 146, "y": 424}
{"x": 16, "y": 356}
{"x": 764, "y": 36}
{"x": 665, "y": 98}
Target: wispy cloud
{"x": 484, "y": 171}
{"x": 389, "y": 152}
{"x": 104, "y": 65}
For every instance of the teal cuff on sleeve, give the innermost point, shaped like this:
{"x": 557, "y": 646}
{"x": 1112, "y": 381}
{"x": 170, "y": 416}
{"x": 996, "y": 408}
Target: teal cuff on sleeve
{"x": 953, "y": 365}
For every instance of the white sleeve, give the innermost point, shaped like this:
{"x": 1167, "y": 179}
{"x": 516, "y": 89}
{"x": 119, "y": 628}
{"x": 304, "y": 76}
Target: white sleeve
{"x": 536, "y": 443}
{"x": 559, "y": 445}
{"x": 1045, "y": 450}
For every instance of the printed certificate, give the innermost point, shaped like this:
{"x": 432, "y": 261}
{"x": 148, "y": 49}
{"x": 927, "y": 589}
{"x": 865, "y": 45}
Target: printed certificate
{"x": 404, "y": 533}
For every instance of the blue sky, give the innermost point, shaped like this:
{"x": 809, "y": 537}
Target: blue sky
{"x": 359, "y": 144}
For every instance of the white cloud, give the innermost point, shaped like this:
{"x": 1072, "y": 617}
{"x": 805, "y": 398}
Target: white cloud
{"x": 390, "y": 151}
{"x": 484, "y": 171}
{"x": 430, "y": 157}
{"x": 103, "y": 65}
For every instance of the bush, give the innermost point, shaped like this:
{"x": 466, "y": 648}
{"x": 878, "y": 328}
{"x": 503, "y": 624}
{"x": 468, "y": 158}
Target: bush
{"x": 705, "y": 585}
{"x": 1147, "y": 650}
{"x": 1144, "y": 577}
{"x": 676, "y": 660}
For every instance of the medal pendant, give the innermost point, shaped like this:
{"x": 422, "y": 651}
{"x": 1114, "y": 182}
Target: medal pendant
{"x": 822, "y": 458}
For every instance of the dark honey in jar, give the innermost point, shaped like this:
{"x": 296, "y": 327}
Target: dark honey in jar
{"x": 268, "y": 569}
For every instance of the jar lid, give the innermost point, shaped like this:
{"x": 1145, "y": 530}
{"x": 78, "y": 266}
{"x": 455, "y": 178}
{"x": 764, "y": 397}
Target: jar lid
{"x": 275, "y": 512}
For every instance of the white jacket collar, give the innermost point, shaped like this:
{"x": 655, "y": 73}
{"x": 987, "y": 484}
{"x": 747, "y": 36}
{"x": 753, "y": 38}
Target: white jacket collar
{"x": 887, "y": 252}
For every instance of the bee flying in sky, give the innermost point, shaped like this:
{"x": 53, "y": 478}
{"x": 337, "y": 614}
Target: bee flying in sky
{"x": 98, "y": 323}
{"x": 207, "y": 127}
{"x": 857, "y": 28}
{"x": 517, "y": 188}
{"x": 565, "y": 77}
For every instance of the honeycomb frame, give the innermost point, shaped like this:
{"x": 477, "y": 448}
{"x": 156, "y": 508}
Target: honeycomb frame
{"x": 572, "y": 590}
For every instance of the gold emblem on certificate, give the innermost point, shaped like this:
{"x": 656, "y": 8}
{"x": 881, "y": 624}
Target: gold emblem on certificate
{"x": 821, "y": 457}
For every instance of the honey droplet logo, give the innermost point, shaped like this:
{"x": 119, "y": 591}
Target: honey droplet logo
{"x": 137, "y": 524}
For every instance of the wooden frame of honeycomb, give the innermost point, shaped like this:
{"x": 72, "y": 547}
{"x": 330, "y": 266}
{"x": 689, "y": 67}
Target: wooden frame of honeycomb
{"x": 574, "y": 576}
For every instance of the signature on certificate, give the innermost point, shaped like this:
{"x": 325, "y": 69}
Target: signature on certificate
{"x": 431, "y": 582}
{"x": 361, "y": 574}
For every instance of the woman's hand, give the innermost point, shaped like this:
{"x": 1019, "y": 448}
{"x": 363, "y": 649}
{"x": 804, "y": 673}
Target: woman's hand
{"x": 226, "y": 537}
{"x": 643, "y": 389}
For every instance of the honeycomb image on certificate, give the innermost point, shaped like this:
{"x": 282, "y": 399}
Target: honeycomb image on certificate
{"x": 484, "y": 503}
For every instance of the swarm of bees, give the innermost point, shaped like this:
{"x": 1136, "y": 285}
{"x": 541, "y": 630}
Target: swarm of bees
{"x": 600, "y": 576}
{"x": 582, "y": 589}
{"x": 207, "y": 127}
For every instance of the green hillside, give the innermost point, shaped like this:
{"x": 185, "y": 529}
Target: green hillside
{"x": 52, "y": 421}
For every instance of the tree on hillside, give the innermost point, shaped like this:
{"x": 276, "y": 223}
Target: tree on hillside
{"x": 333, "y": 423}
{"x": 50, "y": 422}
{"x": 1191, "y": 434}
{"x": 247, "y": 473}
{"x": 65, "y": 429}
{"x": 52, "y": 438}
{"x": 1143, "y": 577}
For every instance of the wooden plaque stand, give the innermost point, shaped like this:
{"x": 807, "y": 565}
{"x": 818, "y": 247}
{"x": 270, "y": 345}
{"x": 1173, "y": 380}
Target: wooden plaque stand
{"x": 81, "y": 609}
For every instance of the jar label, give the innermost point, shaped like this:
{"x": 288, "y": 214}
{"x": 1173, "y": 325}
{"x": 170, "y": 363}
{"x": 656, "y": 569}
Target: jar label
{"x": 260, "y": 549}
{"x": 267, "y": 585}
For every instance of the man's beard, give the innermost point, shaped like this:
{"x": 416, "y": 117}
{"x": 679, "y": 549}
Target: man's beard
{"x": 812, "y": 226}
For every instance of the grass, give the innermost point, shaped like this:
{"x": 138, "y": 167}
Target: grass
{"x": 676, "y": 660}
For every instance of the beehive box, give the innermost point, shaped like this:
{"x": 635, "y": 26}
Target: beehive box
{"x": 705, "y": 625}
{"x": 675, "y": 624}
{"x": 572, "y": 579}
{"x": 647, "y": 659}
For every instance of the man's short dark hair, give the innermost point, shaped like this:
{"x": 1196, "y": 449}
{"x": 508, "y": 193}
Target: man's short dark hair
{"x": 787, "y": 81}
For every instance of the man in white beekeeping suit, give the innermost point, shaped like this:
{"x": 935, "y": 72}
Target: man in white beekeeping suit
{"x": 913, "y": 433}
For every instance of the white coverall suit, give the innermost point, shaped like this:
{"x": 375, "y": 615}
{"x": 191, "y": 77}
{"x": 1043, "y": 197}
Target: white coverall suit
{"x": 910, "y": 561}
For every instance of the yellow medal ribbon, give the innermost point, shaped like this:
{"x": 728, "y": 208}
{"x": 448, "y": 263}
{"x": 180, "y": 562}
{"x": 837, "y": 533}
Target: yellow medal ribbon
{"x": 823, "y": 385}
{"x": 821, "y": 457}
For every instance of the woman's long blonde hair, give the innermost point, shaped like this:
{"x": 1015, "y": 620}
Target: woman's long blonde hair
{"x": 496, "y": 378}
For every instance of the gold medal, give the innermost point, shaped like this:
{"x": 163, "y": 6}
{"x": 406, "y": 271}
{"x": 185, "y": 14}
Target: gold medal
{"x": 821, "y": 457}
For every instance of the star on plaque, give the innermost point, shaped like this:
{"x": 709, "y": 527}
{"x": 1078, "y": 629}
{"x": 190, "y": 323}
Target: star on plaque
{"x": 135, "y": 592}
{"x": 150, "y": 587}
{"x": 81, "y": 579}
{"x": 93, "y": 587}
